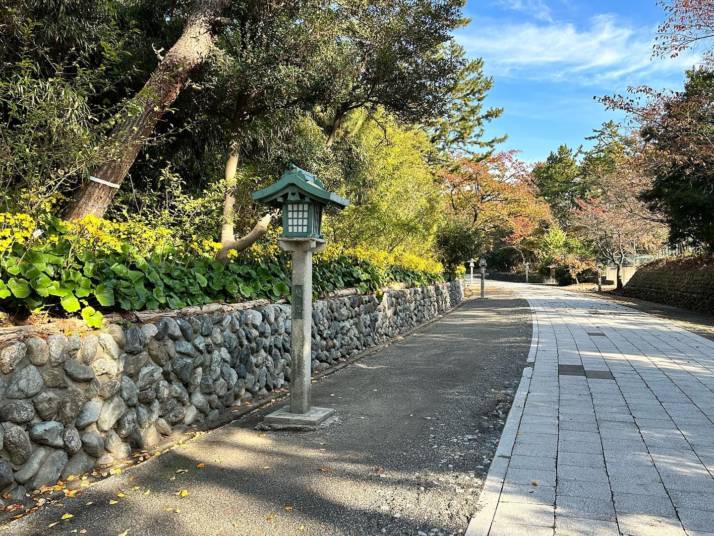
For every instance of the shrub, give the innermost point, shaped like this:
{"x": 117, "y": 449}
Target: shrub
{"x": 82, "y": 267}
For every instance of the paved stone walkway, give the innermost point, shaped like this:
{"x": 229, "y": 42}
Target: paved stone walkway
{"x": 612, "y": 430}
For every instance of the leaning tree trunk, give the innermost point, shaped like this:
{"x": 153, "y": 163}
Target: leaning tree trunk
{"x": 228, "y": 240}
{"x": 137, "y": 120}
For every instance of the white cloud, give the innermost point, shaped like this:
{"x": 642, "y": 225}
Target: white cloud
{"x": 604, "y": 52}
{"x": 535, "y": 8}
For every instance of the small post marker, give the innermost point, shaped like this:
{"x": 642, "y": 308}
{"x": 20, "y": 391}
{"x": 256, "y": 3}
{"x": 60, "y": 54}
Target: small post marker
{"x": 599, "y": 278}
{"x": 527, "y": 265}
{"x": 482, "y": 264}
{"x": 302, "y": 198}
{"x": 471, "y": 265}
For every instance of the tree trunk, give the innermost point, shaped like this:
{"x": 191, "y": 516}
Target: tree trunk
{"x": 228, "y": 240}
{"x": 229, "y": 199}
{"x": 332, "y": 133}
{"x": 620, "y": 285}
{"x": 138, "y": 119}
{"x": 248, "y": 240}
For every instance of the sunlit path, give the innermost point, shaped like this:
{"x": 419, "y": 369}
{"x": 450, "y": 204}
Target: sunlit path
{"x": 612, "y": 431}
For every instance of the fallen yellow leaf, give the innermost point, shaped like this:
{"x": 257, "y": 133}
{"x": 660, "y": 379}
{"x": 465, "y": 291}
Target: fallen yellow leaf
{"x": 124, "y": 533}
{"x": 183, "y": 493}
{"x": 112, "y": 501}
{"x": 121, "y": 494}
{"x": 67, "y": 516}
{"x": 200, "y": 465}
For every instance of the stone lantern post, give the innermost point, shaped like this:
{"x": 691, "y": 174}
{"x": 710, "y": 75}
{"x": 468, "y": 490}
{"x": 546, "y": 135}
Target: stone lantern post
{"x": 302, "y": 198}
{"x": 471, "y": 266}
{"x": 482, "y": 264}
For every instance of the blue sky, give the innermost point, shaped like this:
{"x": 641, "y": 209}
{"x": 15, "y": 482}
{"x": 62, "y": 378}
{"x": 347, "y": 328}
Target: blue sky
{"x": 549, "y": 58}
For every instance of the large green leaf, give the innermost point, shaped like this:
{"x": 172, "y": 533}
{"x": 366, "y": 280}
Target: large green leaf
{"x": 281, "y": 289}
{"x": 246, "y": 290}
{"x": 59, "y": 290}
{"x": 42, "y": 285}
{"x": 70, "y": 303}
{"x": 104, "y": 294}
{"x": 12, "y": 266}
{"x": 92, "y": 317}
{"x": 4, "y": 291}
{"x": 19, "y": 287}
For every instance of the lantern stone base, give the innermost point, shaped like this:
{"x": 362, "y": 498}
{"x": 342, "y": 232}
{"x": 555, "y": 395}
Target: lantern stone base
{"x": 282, "y": 419}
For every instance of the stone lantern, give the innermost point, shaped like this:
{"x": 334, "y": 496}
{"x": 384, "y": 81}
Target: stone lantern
{"x": 302, "y": 198}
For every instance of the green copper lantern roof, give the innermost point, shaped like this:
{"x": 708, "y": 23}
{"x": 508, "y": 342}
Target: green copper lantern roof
{"x": 296, "y": 181}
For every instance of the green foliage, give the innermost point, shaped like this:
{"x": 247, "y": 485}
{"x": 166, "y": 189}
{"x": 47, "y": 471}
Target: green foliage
{"x": 683, "y": 180}
{"x": 567, "y": 253}
{"x": 66, "y": 65}
{"x": 394, "y": 196}
{"x": 461, "y": 127}
{"x": 559, "y": 182}
{"x": 62, "y": 271}
{"x": 457, "y": 244}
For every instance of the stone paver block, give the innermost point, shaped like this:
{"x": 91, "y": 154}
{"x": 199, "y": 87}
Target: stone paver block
{"x": 511, "y": 529}
{"x": 580, "y": 507}
{"x": 570, "y": 526}
{"x": 532, "y": 462}
{"x": 589, "y": 447}
{"x": 539, "y": 515}
{"x": 692, "y": 501}
{"x": 696, "y": 519}
{"x": 593, "y": 490}
{"x": 646, "y": 525}
{"x": 529, "y": 476}
{"x": 644, "y": 504}
{"x": 583, "y": 460}
{"x": 581, "y": 474}
{"x": 528, "y": 493}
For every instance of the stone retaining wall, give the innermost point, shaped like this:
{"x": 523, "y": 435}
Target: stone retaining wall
{"x": 687, "y": 283}
{"x": 72, "y": 403}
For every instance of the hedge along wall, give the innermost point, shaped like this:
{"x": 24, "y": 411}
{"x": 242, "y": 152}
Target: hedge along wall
{"x": 69, "y": 404}
{"x": 686, "y": 283}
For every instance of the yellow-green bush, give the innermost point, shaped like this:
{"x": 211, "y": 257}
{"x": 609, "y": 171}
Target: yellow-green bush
{"x": 93, "y": 264}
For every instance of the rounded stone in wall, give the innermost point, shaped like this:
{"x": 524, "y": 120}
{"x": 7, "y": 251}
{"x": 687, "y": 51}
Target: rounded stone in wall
{"x": 17, "y": 443}
{"x": 11, "y": 355}
{"x": 37, "y": 351}
{"x": 17, "y": 411}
